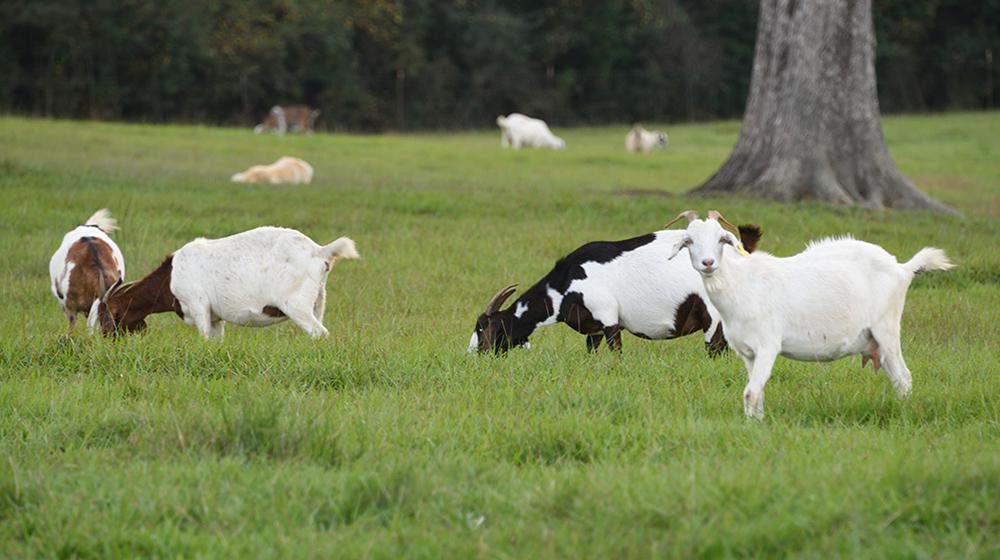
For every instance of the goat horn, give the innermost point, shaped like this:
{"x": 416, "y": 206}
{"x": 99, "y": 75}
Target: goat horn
{"x": 691, "y": 215}
{"x": 499, "y": 298}
{"x": 717, "y": 216}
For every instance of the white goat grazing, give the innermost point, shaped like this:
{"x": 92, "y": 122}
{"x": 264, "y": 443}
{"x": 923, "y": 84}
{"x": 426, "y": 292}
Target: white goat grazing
{"x": 285, "y": 170}
{"x": 837, "y": 298}
{"x": 518, "y": 130}
{"x": 640, "y": 140}
{"x": 255, "y": 278}
{"x": 85, "y": 266}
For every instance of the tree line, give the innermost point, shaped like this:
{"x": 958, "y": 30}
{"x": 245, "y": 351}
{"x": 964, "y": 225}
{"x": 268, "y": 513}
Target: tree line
{"x": 417, "y": 64}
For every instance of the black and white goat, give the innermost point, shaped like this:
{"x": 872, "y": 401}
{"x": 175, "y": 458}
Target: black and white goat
{"x": 604, "y": 287}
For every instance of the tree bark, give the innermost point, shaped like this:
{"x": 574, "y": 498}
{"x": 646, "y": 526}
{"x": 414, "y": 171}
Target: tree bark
{"x": 812, "y": 128}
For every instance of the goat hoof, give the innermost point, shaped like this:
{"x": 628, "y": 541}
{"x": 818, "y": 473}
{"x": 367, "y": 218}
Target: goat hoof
{"x": 753, "y": 404}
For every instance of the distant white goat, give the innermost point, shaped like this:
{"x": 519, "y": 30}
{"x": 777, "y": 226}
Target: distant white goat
{"x": 255, "y": 278}
{"x": 837, "y": 298}
{"x": 86, "y": 264}
{"x": 640, "y": 140}
{"x": 518, "y": 130}
{"x": 285, "y": 170}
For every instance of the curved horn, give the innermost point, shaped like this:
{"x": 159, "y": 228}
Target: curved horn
{"x": 717, "y": 216}
{"x": 115, "y": 288}
{"x": 499, "y": 298}
{"x": 691, "y": 215}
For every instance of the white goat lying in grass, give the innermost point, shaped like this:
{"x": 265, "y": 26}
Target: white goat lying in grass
{"x": 255, "y": 278}
{"x": 837, "y": 298}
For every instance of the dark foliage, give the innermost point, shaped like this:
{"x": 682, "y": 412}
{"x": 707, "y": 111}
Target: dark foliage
{"x": 378, "y": 64}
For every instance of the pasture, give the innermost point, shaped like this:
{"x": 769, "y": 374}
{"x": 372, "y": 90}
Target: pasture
{"x": 388, "y": 440}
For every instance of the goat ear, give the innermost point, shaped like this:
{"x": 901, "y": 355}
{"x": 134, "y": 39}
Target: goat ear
{"x": 731, "y": 239}
{"x": 750, "y": 235}
{"x": 677, "y": 249}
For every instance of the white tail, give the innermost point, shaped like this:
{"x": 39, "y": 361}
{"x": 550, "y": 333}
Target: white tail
{"x": 342, "y": 248}
{"x": 102, "y": 219}
{"x": 928, "y": 258}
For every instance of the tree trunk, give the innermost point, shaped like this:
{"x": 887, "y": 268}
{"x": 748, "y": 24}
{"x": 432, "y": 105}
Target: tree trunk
{"x": 812, "y": 130}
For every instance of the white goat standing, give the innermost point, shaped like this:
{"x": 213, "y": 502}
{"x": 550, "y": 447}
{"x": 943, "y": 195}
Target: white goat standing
{"x": 837, "y": 298}
{"x": 255, "y": 278}
{"x": 518, "y": 130}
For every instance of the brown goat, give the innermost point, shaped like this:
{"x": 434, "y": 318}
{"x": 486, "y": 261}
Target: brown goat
{"x": 126, "y": 307}
{"x": 291, "y": 118}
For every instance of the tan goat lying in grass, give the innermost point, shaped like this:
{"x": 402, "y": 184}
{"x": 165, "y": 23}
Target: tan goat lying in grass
{"x": 285, "y": 170}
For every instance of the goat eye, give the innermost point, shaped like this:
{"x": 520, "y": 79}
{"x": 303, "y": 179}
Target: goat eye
{"x": 688, "y": 242}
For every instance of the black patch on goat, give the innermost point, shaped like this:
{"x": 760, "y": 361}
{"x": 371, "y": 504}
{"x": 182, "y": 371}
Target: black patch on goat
{"x": 749, "y": 236}
{"x": 570, "y": 267}
{"x": 505, "y": 330}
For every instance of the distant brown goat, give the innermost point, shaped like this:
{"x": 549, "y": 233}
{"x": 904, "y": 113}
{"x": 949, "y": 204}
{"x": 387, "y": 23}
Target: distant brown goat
{"x": 291, "y": 118}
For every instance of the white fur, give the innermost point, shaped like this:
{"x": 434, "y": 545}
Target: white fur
{"x": 832, "y": 300}
{"x": 517, "y": 130}
{"x": 474, "y": 342}
{"x": 95, "y": 226}
{"x": 232, "y": 279}
{"x": 282, "y": 125}
{"x": 555, "y": 299}
{"x": 639, "y": 290}
{"x": 640, "y": 140}
{"x": 642, "y": 289}
{"x": 285, "y": 170}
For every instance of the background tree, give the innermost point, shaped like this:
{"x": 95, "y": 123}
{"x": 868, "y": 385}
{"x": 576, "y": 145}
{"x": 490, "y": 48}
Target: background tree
{"x": 812, "y": 127}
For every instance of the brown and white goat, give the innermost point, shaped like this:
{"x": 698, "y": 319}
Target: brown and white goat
{"x": 290, "y": 118}
{"x": 255, "y": 278}
{"x": 85, "y": 266}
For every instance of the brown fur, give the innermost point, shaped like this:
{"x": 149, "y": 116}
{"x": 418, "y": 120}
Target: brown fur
{"x": 127, "y": 307}
{"x": 94, "y": 271}
{"x": 272, "y": 311}
{"x": 749, "y": 236}
{"x": 874, "y": 355}
{"x": 298, "y": 118}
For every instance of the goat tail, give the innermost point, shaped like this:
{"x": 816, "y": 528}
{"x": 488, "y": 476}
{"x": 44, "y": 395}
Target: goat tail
{"x": 102, "y": 219}
{"x": 342, "y": 248}
{"x": 928, "y": 258}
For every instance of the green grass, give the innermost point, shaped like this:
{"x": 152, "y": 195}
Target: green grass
{"x": 387, "y": 440}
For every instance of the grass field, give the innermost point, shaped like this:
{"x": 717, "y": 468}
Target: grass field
{"x": 387, "y": 440}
